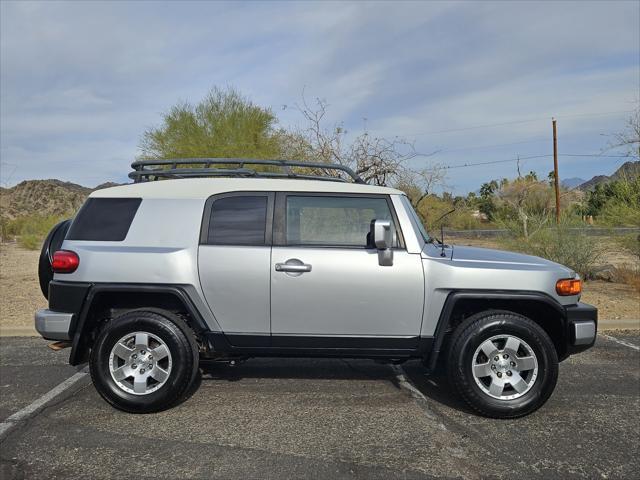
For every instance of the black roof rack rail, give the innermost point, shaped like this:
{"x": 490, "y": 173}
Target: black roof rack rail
{"x": 147, "y": 170}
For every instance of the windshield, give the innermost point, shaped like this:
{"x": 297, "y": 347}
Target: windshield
{"x": 416, "y": 219}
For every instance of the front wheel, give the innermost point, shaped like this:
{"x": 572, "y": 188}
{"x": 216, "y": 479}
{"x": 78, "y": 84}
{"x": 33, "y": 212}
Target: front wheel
{"x": 144, "y": 361}
{"x": 503, "y": 365}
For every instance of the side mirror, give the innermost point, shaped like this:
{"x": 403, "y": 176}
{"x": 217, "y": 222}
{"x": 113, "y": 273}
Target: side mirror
{"x": 382, "y": 238}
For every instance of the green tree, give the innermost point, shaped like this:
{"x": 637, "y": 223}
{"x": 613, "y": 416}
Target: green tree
{"x": 223, "y": 124}
{"x": 486, "y": 204}
{"x": 616, "y": 203}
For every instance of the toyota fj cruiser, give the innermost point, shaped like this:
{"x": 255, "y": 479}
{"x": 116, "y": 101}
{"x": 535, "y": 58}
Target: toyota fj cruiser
{"x": 220, "y": 261}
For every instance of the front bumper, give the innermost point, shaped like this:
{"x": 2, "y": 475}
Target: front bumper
{"x": 582, "y": 326}
{"x": 53, "y": 325}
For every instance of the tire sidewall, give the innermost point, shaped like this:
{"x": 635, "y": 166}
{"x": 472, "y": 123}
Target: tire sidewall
{"x": 181, "y": 373}
{"x": 523, "y": 328}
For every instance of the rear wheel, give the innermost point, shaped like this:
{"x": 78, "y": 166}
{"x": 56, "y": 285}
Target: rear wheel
{"x": 503, "y": 365}
{"x": 144, "y": 361}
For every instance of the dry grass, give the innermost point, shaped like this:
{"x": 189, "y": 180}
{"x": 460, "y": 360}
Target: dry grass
{"x": 628, "y": 275}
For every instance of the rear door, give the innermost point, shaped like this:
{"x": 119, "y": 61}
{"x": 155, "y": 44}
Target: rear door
{"x": 327, "y": 288}
{"x": 234, "y": 261}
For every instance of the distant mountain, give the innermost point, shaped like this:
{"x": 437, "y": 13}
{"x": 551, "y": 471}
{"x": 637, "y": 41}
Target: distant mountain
{"x": 44, "y": 197}
{"x": 572, "y": 182}
{"x": 627, "y": 170}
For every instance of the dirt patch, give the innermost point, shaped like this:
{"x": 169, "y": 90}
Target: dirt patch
{"x": 615, "y": 301}
{"x": 20, "y": 294}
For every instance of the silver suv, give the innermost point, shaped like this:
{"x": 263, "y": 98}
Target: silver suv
{"x": 225, "y": 262}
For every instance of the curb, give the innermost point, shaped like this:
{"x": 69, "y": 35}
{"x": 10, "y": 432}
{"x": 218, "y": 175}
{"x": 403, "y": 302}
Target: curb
{"x": 18, "y": 332}
{"x": 622, "y": 324}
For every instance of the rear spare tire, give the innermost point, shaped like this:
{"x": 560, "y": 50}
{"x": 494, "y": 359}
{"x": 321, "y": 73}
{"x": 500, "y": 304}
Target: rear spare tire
{"x": 51, "y": 244}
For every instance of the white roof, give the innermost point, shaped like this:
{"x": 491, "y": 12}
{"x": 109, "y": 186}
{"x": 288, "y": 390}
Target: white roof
{"x": 205, "y": 187}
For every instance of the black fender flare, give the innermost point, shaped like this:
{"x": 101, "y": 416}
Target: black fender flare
{"x": 457, "y": 296}
{"x": 81, "y": 327}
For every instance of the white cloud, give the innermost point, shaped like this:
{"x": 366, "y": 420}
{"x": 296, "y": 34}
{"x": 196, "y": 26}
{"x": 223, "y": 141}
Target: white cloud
{"x": 81, "y": 77}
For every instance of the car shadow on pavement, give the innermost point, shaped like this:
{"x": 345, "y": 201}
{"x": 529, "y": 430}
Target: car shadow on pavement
{"x": 297, "y": 368}
{"x": 433, "y": 387}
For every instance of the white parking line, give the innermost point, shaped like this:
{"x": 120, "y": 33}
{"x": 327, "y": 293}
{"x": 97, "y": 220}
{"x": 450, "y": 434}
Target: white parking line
{"x": 31, "y": 409}
{"x": 404, "y": 383}
{"x": 621, "y": 342}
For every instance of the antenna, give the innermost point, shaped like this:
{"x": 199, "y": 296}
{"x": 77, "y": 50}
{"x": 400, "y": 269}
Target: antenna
{"x": 442, "y": 254}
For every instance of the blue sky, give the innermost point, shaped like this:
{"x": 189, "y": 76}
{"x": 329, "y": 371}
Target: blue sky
{"x": 80, "y": 82}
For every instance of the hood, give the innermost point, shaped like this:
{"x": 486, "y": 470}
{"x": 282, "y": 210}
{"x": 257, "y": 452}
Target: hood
{"x": 495, "y": 259}
{"x": 483, "y": 256}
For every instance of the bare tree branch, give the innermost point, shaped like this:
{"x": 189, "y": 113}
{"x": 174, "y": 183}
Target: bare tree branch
{"x": 378, "y": 160}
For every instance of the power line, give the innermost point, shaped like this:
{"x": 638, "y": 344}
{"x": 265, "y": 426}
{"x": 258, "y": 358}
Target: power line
{"x": 592, "y": 155}
{"x": 465, "y": 165}
{"x": 516, "y": 122}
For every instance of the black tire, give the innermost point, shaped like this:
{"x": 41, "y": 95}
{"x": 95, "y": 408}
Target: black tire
{"x": 475, "y": 330}
{"x": 51, "y": 244}
{"x": 178, "y": 338}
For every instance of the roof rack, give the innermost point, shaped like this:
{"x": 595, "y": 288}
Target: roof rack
{"x": 147, "y": 170}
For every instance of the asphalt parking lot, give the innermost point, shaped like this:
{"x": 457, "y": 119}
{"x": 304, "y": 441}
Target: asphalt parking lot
{"x": 295, "y": 418}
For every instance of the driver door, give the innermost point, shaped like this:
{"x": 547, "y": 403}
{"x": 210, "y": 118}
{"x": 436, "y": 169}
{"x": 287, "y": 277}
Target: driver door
{"x": 327, "y": 287}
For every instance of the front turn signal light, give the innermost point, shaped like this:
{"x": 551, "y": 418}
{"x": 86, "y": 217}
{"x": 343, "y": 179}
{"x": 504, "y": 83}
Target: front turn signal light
{"x": 569, "y": 286}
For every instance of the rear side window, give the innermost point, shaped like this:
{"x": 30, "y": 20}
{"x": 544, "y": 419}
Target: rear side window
{"x": 238, "y": 220}
{"x": 104, "y": 219}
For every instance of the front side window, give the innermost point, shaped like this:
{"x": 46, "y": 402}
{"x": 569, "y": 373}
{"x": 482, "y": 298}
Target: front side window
{"x": 238, "y": 220}
{"x": 333, "y": 221}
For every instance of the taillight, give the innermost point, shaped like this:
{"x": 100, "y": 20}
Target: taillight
{"x": 65, "y": 261}
{"x": 569, "y": 286}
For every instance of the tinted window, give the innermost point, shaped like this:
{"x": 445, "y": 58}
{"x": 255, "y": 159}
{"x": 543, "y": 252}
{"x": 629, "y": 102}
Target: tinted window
{"x": 104, "y": 219}
{"x": 238, "y": 220}
{"x": 333, "y": 221}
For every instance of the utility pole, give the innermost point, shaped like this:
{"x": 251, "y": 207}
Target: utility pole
{"x": 555, "y": 169}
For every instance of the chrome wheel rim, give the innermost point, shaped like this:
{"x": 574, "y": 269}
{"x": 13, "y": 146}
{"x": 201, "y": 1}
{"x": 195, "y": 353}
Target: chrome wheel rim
{"x": 140, "y": 363}
{"x": 505, "y": 367}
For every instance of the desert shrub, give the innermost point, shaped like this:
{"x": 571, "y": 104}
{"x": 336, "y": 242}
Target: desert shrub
{"x": 620, "y": 213}
{"x": 629, "y": 275}
{"x": 572, "y": 249}
{"x": 561, "y": 244}
{"x": 30, "y": 241}
{"x": 432, "y": 207}
{"x": 30, "y": 230}
{"x": 630, "y": 243}
{"x": 616, "y": 203}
